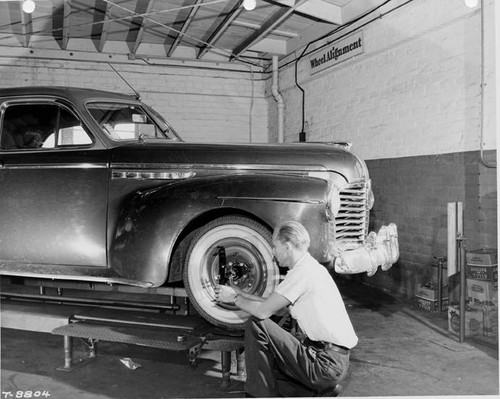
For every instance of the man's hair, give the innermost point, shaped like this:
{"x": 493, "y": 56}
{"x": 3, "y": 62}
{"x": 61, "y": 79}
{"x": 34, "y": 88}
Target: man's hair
{"x": 294, "y": 233}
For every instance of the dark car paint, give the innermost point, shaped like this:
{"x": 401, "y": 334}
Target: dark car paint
{"x": 63, "y": 214}
{"x": 53, "y": 210}
{"x": 152, "y": 220}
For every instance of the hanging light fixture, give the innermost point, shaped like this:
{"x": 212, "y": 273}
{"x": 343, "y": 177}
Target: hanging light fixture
{"x": 249, "y": 5}
{"x": 471, "y": 3}
{"x": 28, "y": 6}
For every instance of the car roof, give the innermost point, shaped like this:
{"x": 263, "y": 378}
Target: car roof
{"x": 74, "y": 94}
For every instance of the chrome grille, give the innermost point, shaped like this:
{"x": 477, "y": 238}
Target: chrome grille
{"x": 351, "y": 223}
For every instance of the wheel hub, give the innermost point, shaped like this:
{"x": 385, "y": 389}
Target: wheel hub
{"x": 238, "y": 271}
{"x": 235, "y": 271}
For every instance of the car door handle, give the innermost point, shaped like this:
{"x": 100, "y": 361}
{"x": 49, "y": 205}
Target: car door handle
{"x": 2, "y": 164}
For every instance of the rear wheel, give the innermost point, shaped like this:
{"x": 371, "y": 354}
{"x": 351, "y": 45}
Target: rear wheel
{"x": 249, "y": 261}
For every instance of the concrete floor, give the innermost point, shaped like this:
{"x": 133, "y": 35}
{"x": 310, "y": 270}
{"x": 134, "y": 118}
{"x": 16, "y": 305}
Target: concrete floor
{"x": 402, "y": 352}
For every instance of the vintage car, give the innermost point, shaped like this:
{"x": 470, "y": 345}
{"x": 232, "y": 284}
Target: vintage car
{"x": 97, "y": 186}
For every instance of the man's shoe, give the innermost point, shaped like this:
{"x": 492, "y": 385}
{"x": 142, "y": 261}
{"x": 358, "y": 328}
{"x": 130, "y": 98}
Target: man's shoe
{"x": 330, "y": 392}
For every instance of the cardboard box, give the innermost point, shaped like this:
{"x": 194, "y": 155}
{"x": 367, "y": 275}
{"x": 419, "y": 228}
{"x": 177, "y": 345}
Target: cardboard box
{"x": 480, "y": 292}
{"x": 430, "y": 305}
{"x": 430, "y": 290}
{"x": 425, "y": 291}
{"x": 473, "y": 320}
{"x": 485, "y": 273}
{"x": 490, "y": 321}
{"x": 482, "y": 257}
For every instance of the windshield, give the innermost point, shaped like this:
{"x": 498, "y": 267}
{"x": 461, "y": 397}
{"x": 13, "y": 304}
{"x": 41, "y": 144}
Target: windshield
{"x": 130, "y": 122}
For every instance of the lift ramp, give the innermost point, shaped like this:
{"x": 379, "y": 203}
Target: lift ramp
{"x": 106, "y": 317}
{"x": 131, "y": 327}
{"x": 169, "y": 332}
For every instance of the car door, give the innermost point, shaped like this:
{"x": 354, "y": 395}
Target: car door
{"x": 54, "y": 185}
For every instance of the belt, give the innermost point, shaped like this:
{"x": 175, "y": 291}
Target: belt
{"x": 322, "y": 345}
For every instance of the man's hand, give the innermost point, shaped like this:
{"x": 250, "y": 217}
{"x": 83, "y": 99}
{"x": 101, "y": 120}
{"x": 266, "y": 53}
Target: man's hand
{"x": 225, "y": 294}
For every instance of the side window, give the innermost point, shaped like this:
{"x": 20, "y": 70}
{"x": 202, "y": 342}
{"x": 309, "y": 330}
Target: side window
{"x": 124, "y": 121}
{"x": 32, "y": 126}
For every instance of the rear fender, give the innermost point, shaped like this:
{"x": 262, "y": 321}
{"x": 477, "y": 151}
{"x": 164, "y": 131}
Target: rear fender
{"x": 152, "y": 221}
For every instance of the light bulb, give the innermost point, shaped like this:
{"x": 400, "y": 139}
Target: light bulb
{"x": 471, "y": 3}
{"x": 249, "y": 5}
{"x": 28, "y": 6}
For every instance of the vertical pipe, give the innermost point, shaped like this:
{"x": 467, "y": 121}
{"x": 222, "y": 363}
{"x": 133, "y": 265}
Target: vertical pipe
{"x": 279, "y": 99}
{"x": 440, "y": 284}
{"x": 68, "y": 351}
{"x": 460, "y": 245}
{"x": 226, "y": 368}
{"x": 463, "y": 287}
{"x": 482, "y": 88}
{"x": 452, "y": 238}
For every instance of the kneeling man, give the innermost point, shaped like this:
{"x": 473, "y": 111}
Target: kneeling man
{"x": 318, "y": 357}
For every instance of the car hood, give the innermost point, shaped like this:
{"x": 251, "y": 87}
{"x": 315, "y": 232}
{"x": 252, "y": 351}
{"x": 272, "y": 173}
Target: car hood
{"x": 279, "y": 157}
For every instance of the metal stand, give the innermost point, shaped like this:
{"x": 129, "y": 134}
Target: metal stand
{"x": 68, "y": 354}
{"x": 106, "y": 327}
{"x": 440, "y": 266}
{"x": 456, "y": 256}
{"x": 227, "y": 345}
{"x": 225, "y": 357}
{"x": 463, "y": 285}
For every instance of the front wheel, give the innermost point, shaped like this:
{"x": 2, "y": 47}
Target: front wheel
{"x": 249, "y": 262}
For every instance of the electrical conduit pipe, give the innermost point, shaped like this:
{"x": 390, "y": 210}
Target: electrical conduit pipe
{"x": 279, "y": 99}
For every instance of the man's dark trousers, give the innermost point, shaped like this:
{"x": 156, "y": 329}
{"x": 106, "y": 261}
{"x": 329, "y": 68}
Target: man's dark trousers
{"x": 269, "y": 347}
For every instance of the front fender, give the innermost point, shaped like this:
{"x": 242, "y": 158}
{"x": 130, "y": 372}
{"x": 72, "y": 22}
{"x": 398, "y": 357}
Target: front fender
{"x": 152, "y": 220}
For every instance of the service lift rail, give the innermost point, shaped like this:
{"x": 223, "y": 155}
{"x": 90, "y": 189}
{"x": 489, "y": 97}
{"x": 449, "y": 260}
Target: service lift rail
{"x": 158, "y": 318}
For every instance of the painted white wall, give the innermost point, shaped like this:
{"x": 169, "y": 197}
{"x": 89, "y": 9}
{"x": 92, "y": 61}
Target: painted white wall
{"x": 414, "y": 91}
{"x": 205, "y": 105}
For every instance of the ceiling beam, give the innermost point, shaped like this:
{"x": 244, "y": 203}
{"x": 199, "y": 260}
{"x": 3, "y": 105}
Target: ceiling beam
{"x": 58, "y": 24}
{"x": 136, "y": 25}
{"x": 26, "y": 26}
{"x": 21, "y": 23}
{"x": 66, "y": 25}
{"x": 142, "y": 29}
{"x": 320, "y": 9}
{"x": 220, "y": 29}
{"x": 275, "y": 32}
{"x": 99, "y": 27}
{"x": 355, "y": 8}
{"x": 271, "y": 46}
{"x": 185, "y": 26}
{"x": 277, "y": 18}
{"x": 104, "y": 31}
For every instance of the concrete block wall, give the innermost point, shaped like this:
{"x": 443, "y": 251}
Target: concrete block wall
{"x": 414, "y": 193}
{"x": 203, "y": 103}
{"x": 411, "y": 105}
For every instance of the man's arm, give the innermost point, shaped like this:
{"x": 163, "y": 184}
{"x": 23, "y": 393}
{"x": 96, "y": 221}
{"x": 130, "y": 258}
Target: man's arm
{"x": 262, "y": 308}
